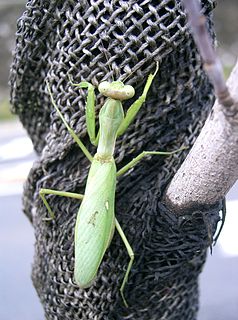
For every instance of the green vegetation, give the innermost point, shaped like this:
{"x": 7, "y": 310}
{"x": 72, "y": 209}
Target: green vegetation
{"x": 5, "y": 113}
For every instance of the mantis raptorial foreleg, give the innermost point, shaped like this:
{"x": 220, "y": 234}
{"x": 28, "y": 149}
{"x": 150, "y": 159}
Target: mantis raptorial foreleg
{"x": 43, "y": 192}
{"x": 131, "y": 255}
{"x": 70, "y": 130}
{"x": 90, "y": 109}
{"x": 135, "y": 107}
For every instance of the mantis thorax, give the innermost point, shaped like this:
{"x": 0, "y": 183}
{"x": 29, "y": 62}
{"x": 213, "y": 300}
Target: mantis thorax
{"x": 110, "y": 117}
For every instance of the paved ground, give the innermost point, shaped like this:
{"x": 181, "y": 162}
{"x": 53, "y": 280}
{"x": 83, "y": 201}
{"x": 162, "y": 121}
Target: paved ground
{"x": 219, "y": 280}
{"x": 18, "y": 299}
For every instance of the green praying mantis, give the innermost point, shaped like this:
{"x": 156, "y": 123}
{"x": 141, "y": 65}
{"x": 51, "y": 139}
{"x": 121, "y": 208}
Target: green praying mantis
{"x": 96, "y": 221}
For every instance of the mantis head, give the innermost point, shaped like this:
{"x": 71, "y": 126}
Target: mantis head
{"x": 116, "y": 90}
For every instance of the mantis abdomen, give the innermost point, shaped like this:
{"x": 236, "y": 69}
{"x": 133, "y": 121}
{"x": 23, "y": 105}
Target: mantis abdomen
{"x": 95, "y": 222}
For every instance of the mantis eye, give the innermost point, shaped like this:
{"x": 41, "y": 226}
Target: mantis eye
{"x": 103, "y": 86}
{"x": 129, "y": 91}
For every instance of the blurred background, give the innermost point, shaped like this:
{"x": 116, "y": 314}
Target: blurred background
{"x": 18, "y": 299}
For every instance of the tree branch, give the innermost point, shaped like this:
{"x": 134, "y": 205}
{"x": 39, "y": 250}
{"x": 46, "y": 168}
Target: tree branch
{"x": 211, "y": 63}
{"x": 211, "y": 168}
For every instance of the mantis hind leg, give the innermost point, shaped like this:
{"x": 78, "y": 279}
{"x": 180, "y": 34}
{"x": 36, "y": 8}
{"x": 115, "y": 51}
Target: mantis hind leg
{"x": 131, "y": 255}
{"x": 44, "y": 192}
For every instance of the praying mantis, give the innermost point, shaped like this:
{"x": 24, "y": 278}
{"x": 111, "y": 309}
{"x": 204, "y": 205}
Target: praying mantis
{"x": 96, "y": 221}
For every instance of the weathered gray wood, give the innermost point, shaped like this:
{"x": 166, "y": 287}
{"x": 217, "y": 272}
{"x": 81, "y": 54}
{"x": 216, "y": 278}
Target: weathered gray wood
{"x": 211, "y": 168}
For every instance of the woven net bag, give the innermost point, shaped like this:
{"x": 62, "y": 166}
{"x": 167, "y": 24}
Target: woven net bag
{"x": 97, "y": 40}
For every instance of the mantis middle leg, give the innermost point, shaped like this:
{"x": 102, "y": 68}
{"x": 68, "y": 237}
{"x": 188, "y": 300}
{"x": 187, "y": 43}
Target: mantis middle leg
{"x": 43, "y": 192}
{"x": 140, "y": 156}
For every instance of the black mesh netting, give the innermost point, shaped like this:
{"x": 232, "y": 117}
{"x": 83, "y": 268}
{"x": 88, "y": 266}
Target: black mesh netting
{"x": 95, "y": 40}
